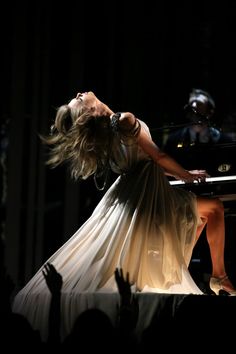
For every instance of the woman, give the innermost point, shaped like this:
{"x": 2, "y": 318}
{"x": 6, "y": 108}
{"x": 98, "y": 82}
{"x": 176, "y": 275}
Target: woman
{"x": 142, "y": 224}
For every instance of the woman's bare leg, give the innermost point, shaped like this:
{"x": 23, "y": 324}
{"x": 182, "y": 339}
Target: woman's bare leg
{"x": 211, "y": 212}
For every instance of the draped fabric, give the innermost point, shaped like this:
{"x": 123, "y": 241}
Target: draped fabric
{"x": 142, "y": 224}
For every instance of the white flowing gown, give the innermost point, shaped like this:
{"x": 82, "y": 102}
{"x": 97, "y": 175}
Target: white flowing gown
{"x": 142, "y": 224}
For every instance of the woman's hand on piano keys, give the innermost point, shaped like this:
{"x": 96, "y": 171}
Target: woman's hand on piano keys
{"x": 192, "y": 176}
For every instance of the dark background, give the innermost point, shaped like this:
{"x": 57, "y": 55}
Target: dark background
{"x": 143, "y": 58}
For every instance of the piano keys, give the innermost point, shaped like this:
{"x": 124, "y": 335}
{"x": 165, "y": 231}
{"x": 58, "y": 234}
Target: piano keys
{"x": 223, "y": 187}
{"x": 219, "y": 162}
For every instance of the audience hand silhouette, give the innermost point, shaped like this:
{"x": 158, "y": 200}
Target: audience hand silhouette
{"x": 54, "y": 282}
{"x": 124, "y": 286}
{"x": 53, "y": 278}
{"x": 129, "y": 309}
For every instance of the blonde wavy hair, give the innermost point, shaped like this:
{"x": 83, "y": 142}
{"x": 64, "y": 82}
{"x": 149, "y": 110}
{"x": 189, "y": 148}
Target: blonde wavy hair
{"x": 80, "y": 138}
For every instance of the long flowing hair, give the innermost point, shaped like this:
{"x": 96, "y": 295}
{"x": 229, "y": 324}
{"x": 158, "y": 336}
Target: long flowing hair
{"x": 80, "y": 138}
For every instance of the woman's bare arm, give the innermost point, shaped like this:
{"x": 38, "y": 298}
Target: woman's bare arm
{"x": 168, "y": 164}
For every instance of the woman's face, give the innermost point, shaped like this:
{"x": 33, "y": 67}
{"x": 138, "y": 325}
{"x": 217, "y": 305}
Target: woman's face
{"x": 86, "y": 100}
{"x": 89, "y": 101}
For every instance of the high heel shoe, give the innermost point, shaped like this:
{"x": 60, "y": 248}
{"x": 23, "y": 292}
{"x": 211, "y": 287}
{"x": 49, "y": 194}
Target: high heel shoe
{"x": 217, "y": 284}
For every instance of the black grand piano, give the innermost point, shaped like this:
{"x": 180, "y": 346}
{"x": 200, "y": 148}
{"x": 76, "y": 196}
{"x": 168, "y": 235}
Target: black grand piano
{"x": 219, "y": 161}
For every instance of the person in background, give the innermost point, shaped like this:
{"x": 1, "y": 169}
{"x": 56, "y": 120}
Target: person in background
{"x": 199, "y": 130}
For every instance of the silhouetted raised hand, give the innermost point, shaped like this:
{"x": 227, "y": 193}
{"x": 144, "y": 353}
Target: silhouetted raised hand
{"x": 54, "y": 282}
{"x": 53, "y": 278}
{"x": 128, "y": 309}
{"x": 124, "y": 287}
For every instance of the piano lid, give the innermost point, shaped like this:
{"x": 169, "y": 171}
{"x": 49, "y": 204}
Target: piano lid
{"x": 217, "y": 159}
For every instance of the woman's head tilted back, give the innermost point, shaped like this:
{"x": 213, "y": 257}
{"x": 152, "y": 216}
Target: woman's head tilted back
{"x": 80, "y": 135}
